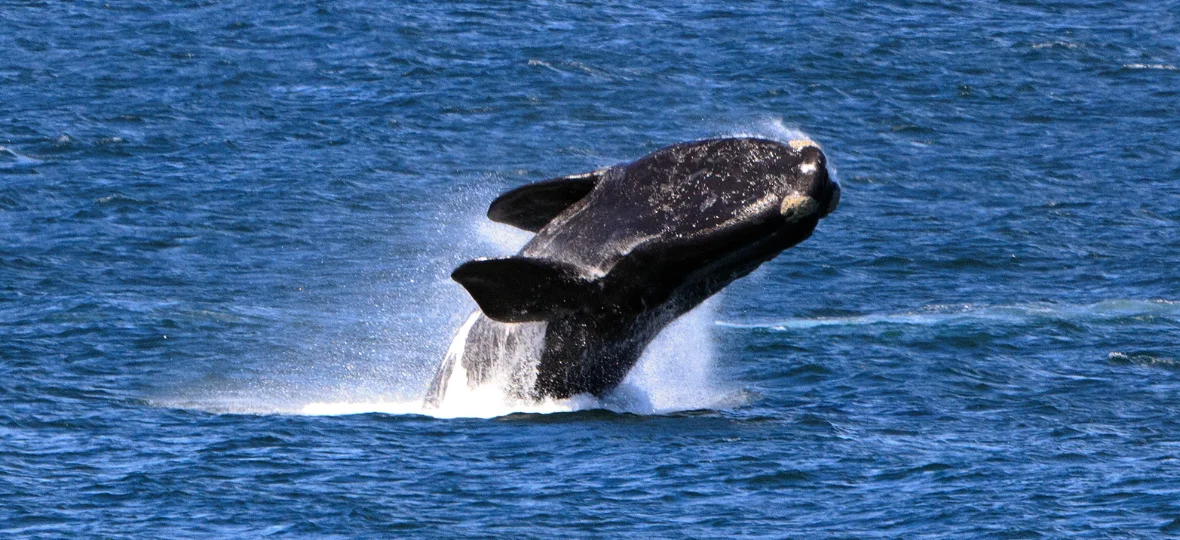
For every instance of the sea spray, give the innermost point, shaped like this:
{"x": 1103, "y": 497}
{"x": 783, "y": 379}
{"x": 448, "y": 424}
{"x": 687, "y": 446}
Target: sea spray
{"x": 675, "y": 372}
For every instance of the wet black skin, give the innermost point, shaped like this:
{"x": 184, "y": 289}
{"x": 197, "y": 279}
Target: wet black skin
{"x": 624, "y": 251}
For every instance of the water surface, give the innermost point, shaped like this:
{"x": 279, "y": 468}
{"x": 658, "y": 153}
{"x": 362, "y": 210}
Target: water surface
{"x": 228, "y": 229}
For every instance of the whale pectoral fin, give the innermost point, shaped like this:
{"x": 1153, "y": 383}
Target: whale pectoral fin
{"x": 521, "y": 289}
{"x": 531, "y": 206}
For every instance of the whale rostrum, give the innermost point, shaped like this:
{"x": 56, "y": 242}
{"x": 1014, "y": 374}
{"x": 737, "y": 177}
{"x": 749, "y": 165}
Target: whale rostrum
{"x": 621, "y": 252}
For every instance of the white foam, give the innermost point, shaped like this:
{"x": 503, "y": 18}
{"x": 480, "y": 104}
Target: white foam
{"x": 11, "y": 157}
{"x": 974, "y": 314}
{"x": 675, "y": 373}
{"x": 773, "y": 128}
{"x": 339, "y": 408}
{"x": 1165, "y": 67}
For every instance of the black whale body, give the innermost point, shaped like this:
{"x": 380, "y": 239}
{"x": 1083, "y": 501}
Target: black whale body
{"x": 623, "y": 251}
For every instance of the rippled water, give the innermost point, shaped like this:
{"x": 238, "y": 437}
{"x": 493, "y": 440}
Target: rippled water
{"x": 228, "y": 229}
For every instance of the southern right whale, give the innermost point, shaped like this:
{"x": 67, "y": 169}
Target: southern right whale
{"x": 619, "y": 253}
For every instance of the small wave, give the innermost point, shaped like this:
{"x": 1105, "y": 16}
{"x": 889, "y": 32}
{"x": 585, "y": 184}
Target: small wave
{"x": 1141, "y": 359}
{"x": 1166, "y": 67}
{"x": 1056, "y": 45}
{"x": 11, "y": 159}
{"x": 973, "y": 314}
{"x": 570, "y": 67}
{"x": 541, "y": 63}
{"x": 119, "y": 198}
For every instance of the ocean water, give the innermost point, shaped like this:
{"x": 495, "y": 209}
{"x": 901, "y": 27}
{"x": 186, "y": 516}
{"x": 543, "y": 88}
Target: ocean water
{"x": 228, "y": 226}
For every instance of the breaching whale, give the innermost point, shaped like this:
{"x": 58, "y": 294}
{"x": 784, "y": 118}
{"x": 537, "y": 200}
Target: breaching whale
{"x": 621, "y": 252}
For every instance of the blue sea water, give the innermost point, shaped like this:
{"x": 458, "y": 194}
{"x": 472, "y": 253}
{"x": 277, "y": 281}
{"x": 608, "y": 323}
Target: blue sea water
{"x": 228, "y": 226}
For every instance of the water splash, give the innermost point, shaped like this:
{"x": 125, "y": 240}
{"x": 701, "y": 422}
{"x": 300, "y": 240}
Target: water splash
{"x": 770, "y": 127}
{"x": 775, "y": 129}
{"x": 675, "y": 373}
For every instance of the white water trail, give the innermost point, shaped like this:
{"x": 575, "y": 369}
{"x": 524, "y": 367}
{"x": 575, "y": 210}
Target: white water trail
{"x": 973, "y": 315}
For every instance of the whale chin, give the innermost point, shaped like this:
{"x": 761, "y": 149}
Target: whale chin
{"x": 833, "y": 200}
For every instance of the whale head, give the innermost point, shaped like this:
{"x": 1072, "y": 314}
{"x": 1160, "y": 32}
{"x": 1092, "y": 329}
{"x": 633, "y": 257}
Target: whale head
{"x": 735, "y": 190}
{"x": 722, "y": 207}
{"x": 690, "y": 217}
{"x": 813, "y": 191}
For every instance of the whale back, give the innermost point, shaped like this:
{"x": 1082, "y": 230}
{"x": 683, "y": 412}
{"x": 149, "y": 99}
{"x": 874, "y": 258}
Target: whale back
{"x": 673, "y": 196}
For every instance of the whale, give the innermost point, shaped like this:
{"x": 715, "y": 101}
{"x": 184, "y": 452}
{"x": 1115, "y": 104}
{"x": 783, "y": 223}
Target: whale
{"x": 621, "y": 252}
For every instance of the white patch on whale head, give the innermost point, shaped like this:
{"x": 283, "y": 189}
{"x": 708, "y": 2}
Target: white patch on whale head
{"x": 807, "y": 168}
{"x": 799, "y": 144}
{"x": 796, "y": 207}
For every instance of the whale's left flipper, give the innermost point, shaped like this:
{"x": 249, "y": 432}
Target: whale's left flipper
{"x": 522, "y": 289}
{"x": 531, "y": 206}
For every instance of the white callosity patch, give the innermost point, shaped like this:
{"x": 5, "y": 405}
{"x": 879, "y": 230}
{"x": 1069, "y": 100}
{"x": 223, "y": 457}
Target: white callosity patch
{"x": 799, "y": 144}
{"x": 796, "y": 207}
{"x": 774, "y": 129}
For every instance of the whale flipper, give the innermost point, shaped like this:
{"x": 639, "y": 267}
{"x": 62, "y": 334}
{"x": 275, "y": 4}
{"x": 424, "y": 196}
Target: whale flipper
{"x": 521, "y": 289}
{"x": 531, "y": 206}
